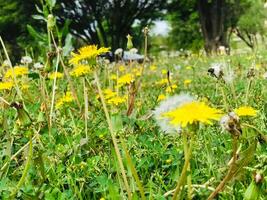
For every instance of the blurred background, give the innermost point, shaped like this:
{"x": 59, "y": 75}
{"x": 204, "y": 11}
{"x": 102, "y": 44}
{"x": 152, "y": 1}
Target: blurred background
{"x": 175, "y": 25}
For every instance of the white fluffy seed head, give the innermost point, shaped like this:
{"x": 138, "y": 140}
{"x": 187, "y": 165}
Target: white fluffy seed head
{"x": 118, "y": 51}
{"x": 168, "y": 105}
{"x": 133, "y": 50}
{"x": 26, "y": 60}
{"x": 38, "y": 65}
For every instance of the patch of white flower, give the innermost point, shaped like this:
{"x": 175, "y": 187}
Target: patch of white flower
{"x": 166, "y": 106}
{"x": 38, "y": 65}
{"x": 265, "y": 75}
{"x": 26, "y": 60}
{"x": 6, "y": 63}
{"x": 133, "y": 50}
{"x": 118, "y": 52}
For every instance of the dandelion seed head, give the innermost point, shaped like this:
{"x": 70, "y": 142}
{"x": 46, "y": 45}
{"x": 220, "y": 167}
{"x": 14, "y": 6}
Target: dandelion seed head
{"x": 26, "y": 60}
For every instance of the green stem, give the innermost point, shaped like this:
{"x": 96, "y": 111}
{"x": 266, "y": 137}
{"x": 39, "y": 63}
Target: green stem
{"x": 229, "y": 174}
{"x": 134, "y": 172}
{"x": 224, "y": 98}
{"x": 85, "y": 95}
{"x": 114, "y": 140}
{"x": 25, "y": 171}
{"x": 187, "y": 155}
{"x": 247, "y": 91}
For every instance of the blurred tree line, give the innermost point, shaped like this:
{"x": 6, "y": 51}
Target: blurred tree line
{"x": 194, "y": 23}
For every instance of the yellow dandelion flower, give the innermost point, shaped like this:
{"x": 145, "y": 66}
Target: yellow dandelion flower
{"x": 121, "y": 68}
{"x": 67, "y": 98}
{"x": 188, "y": 68}
{"x": 164, "y": 71}
{"x": 125, "y": 79}
{"x": 6, "y": 85}
{"x": 116, "y": 100}
{"x": 55, "y": 75}
{"x": 187, "y": 82}
{"x": 174, "y": 86}
{"x": 137, "y": 71}
{"x": 109, "y": 93}
{"x": 87, "y": 52}
{"x": 113, "y": 76}
{"x": 191, "y": 112}
{"x": 162, "y": 81}
{"x": 80, "y": 70}
{"x": 168, "y": 89}
{"x": 152, "y": 67}
{"x": 17, "y": 71}
{"x": 161, "y": 97}
{"x": 246, "y": 111}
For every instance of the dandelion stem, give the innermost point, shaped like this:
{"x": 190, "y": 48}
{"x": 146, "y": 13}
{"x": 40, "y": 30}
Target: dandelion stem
{"x": 187, "y": 155}
{"x": 229, "y": 174}
{"x": 114, "y": 140}
{"x": 134, "y": 172}
{"x": 85, "y": 95}
{"x": 247, "y": 91}
{"x": 25, "y": 171}
{"x": 53, "y": 92}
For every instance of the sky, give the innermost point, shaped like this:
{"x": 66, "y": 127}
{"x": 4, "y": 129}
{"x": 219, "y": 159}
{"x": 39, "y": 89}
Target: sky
{"x": 161, "y": 28}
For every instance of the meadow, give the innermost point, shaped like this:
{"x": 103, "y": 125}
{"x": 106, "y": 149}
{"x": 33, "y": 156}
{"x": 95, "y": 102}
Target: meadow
{"x": 181, "y": 127}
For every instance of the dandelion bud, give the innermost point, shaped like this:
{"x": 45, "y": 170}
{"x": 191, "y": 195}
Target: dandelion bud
{"x": 258, "y": 178}
{"x": 50, "y": 22}
{"x": 23, "y": 117}
{"x": 129, "y": 41}
{"x": 230, "y": 122}
{"x": 251, "y": 73}
{"x": 146, "y": 31}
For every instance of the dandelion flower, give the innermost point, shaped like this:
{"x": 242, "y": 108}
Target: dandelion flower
{"x": 125, "y": 80}
{"x": 245, "y": 111}
{"x": 164, "y": 71}
{"x": 109, "y": 93}
{"x": 17, "y": 71}
{"x": 166, "y": 106}
{"x": 121, "y": 68}
{"x": 67, "y": 98}
{"x": 55, "y": 75}
{"x": 152, "y": 67}
{"x": 187, "y": 82}
{"x": 162, "y": 81}
{"x": 161, "y": 97}
{"x": 87, "y": 52}
{"x": 116, "y": 100}
{"x": 6, "y": 85}
{"x": 80, "y": 70}
{"x": 113, "y": 76}
{"x": 192, "y": 112}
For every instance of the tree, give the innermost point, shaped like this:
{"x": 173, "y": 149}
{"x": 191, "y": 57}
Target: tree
{"x": 14, "y": 15}
{"x": 251, "y": 23}
{"x": 184, "y": 19}
{"x": 107, "y": 22}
